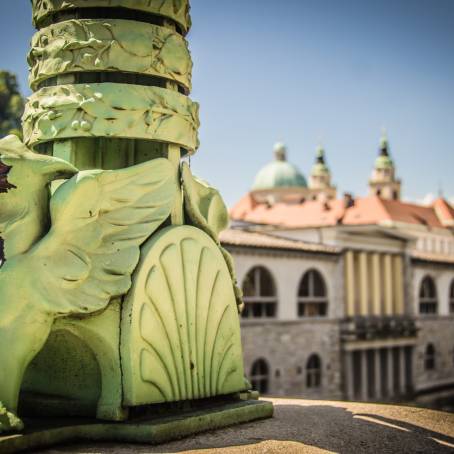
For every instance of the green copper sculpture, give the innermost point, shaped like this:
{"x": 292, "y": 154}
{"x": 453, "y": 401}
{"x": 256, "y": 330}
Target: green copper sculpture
{"x": 114, "y": 289}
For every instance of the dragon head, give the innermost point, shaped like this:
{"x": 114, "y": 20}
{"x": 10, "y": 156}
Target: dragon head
{"x": 25, "y": 177}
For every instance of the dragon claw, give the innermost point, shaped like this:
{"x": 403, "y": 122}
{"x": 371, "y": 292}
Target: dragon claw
{"x": 9, "y": 422}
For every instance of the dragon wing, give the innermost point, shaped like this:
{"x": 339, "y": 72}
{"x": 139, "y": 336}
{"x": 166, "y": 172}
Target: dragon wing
{"x": 99, "y": 219}
{"x": 204, "y": 204}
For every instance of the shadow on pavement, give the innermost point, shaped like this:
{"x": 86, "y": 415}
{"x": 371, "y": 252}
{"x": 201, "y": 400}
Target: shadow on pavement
{"x": 328, "y": 427}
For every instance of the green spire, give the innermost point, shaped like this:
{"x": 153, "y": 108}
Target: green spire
{"x": 320, "y": 155}
{"x": 384, "y": 145}
{"x": 320, "y": 167}
{"x": 384, "y": 160}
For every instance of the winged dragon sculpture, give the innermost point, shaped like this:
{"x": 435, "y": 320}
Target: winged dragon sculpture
{"x": 71, "y": 250}
{"x": 115, "y": 291}
{"x": 66, "y": 253}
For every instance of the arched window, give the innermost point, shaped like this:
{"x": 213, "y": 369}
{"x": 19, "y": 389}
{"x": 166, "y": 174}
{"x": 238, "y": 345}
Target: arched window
{"x": 259, "y": 294}
{"x": 312, "y": 298}
{"x": 313, "y": 372}
{"x": 451, "y": 298}
{"x": 260, "y": 376}
{"x": 427, "y": 296}
{"x": 429, "y": 357}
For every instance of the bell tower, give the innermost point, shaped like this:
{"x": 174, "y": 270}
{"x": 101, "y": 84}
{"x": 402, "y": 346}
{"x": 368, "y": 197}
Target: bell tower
{"x": 383, "y": 182}
{"x": 320, "y": 178}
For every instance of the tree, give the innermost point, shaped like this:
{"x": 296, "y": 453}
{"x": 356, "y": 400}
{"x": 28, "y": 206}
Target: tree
{"x": 11, "y": 105}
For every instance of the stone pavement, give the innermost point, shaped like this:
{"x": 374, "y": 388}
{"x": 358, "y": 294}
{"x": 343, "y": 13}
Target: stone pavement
{"x": 301, "y": 426}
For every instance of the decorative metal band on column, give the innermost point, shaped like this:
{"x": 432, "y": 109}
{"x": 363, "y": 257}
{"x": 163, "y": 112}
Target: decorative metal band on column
{"x": 45, "y": 11}
{"x": 111, "y": 110}
{"x": 112, "y": 45}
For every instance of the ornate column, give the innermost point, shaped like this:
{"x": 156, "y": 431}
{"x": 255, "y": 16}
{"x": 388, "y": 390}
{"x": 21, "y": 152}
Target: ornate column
{"x": 364, "y": 376}
{"x": 95, "y": 79}
{"x": 388, "y": 278}
{"x": 105, "y": 97}
{"x": 409, "y": 353}
{"x": 377, "y": 308}
{"x": 402, "y": 371}
{"x": 350, "y": 283}
{"x": 377, "y": 375}
{"x": 126, "y": 267}
{"x": 363, "y": 284}
{"x": 389, "y": 373}
{"x": 398, "y": 273}
{"x": 349, "y": 373}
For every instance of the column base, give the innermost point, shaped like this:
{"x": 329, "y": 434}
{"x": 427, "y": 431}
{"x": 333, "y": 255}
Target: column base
{"x": 41, "y": 433}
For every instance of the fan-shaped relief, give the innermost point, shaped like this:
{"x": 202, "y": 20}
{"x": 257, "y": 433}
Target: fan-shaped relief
{"x": 181, "y": 335}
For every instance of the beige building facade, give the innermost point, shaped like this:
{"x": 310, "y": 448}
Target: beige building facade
{"x": 347, "y": 298}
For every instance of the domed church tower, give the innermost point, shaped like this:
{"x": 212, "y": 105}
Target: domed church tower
{"x": 280, "y": 181}
{"x": 320, "y": 178}
{"x": 383, "y": 181}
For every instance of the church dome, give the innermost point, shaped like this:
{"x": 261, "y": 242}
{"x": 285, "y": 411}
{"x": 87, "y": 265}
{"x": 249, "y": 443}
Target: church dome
{"x": 279, "y": 173}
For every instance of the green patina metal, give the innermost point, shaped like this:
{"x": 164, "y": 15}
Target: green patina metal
{"x": 111, "y": 110}
{"x": 114, "y": 289}
{"x": 384, "y": 160}
{"x": 279, "y": 173}
{"x": 320, "y": 168}
{"x": 174, "y": 10}
{"x": 111, "y": 45}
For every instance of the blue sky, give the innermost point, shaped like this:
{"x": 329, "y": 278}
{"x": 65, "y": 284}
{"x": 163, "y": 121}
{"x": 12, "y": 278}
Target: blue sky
{"x": 304, "y": 71}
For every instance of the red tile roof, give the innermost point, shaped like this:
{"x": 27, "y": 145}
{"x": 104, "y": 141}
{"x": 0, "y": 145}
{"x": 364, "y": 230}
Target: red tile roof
{"x": 289, "y": 215}
{"x": 444, "y": 211}
{"x": 411, "y": 213}
{"x": 365, "y": 211}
